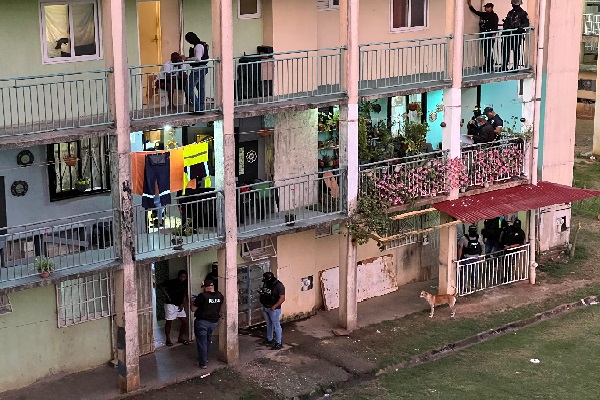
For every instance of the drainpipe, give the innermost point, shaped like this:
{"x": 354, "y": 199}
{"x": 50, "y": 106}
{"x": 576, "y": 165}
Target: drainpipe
{"x": 536, "y": 131}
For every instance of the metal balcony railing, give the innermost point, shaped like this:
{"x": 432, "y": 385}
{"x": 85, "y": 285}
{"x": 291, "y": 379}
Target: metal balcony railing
{"x": 404, "y": 62}
{"x": 276, "y": 77}
{"x": 35, "y": 104}
{"x": 64, "y": 243}
{"x": 400, "y": 180}
{"x": 591, "y": 24}
{"x": 187, "y": 89}
{"x": 286, "y": 202}
{"x": 188, "y": 220}
{"x": 493, "y": 162}
{"x": 491, "y": 270}
{"x": 497, "y": 52}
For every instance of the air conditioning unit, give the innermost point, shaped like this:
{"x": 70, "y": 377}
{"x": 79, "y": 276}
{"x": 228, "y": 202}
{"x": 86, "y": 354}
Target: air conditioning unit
{"x": 258, "y": 250}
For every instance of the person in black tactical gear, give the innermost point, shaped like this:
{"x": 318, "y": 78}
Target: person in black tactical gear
{"x": 512, "y": 238}
{"x": 470, "y": 248}
{"x": 213, "y": 275}
{"x": 472, "y": 128}
{"x": 207, "y": 311}
{"x": 488, "y": 23}
{"x": 512, "y": 36}
{"x": 491, "y": 235}
{"x": 272, "y": 295}
{"x": 485, "y": 131}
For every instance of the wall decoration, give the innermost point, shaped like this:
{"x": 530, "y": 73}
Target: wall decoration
{"x": 306, "y": 283}
{"x": 251, "y": 156}
{"x": 19, "y": 188}
{"x": 25, "y": 158}
{"x": 439, "y": 107}
{"x": 433, "y": 116}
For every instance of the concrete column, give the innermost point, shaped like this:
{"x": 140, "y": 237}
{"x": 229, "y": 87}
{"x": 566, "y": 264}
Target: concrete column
{"x": 349, "y": 10}
{"x": 448, "y": 246}
{"x": 528, "y": 113}
{"x": 596, "y": 138}
{"x": 115, "y": 49}
{"x": 451, "y": 142}
{"x": 224, "y": 140}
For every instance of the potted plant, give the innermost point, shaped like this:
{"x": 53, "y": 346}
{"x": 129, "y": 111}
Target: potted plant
{"x": 82, "y": 184}
{"x": 334, "y": 121}
{"x": 414, "y": 134}
{"x": 44, "y": 266}
{"x": 321, "y": 163}
{"x": 71, "y": 161}
{"x": 180, "y": 231}
{"x": 327, "y": 160}
{"x": 414, "y": 106}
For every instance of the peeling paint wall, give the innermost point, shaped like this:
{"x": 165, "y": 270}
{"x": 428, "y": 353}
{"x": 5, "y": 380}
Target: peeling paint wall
{"x": 295, "y": 143}
{"x": 39, "y": 348}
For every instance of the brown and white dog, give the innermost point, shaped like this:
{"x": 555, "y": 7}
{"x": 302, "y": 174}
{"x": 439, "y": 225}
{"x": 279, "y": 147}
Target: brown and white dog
{"x": 439, "y": 299}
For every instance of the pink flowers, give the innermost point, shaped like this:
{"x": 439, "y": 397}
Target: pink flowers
{"x": 493, "y": 164}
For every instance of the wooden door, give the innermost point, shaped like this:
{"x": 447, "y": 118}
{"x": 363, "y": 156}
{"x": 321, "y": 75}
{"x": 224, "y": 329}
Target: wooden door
{"x": 145, "y": 309}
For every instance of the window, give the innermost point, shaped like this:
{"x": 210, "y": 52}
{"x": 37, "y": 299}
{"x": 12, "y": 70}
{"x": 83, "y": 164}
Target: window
{"x": 5, "y": 306}
{"x": 248, "y": 9}
{"x": 86, "y": 161}
{"x": 84, "y": 299}
{"x": 328, "y": 5}
{"x": 70, "y": 31}
{"x": 406, "y": 14}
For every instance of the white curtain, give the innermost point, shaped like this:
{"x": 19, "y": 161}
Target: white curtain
{"x": 58, "y": 27}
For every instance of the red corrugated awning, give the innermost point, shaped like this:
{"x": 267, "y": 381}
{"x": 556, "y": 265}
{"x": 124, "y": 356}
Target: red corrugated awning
{"x": 519, "y": 198}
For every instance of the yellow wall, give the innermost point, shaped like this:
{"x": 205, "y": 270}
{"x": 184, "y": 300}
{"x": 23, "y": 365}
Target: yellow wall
{"x": 34, "y": 347}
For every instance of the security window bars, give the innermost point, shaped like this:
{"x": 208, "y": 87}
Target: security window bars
{"x": 248, "y": 9}
{"x": 78, "y": 168}
{"x": 70, "y": 31}
{"x": 406, "y": 14}
{"x": 5, "y": 306}
{"x": 328, "y": 5}
{"x": 84, "y": 299}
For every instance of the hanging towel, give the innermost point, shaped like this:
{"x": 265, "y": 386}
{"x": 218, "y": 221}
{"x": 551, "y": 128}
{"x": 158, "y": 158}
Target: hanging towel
{"x": 138, "y": 160}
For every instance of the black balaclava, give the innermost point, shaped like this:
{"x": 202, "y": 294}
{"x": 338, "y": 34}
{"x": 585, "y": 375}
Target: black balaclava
{"x": 269, "y": 278}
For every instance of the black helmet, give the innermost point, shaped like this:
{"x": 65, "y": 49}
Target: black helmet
{"x": 268, "y": 277}
{"x": 472, "y": 230}
{"x": 517, "y": 223}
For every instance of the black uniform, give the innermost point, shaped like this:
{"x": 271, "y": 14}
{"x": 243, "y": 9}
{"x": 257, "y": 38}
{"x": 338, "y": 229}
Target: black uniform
{"x": 270, "y": 293}
{"x": 485, "y": 134}
{"x": 209, "y": 306}
{"x": 488, "y": 22}
{"x": 512, "y": 39}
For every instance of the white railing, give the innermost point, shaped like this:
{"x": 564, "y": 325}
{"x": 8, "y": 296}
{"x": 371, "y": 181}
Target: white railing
{"x": 492, "y": 270}
{"x": 497, "y": 161}
{"x": 591, "y": 24}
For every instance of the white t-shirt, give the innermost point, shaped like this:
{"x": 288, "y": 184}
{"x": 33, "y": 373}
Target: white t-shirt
{"x": 169, "y": 67}
{"x": 198, "y": 52}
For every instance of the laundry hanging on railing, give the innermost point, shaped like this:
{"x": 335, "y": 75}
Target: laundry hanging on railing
{"x": 138, "y": 165}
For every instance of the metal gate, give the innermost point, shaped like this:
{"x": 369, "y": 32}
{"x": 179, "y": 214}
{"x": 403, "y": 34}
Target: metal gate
{"x": 145, "y": 309}
{"x": 249, "y": 281}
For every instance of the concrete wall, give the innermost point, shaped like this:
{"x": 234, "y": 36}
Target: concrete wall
{"x": 36, "y": 205}
{"x": 39, "y": 348}
{"x": 504, "y": 98}
{"x": 295, "y": 143}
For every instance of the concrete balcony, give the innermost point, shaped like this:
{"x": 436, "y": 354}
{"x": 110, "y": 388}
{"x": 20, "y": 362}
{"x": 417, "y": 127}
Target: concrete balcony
{"x": 498, "y": 55}
{"x": 404, "y": 180}
{"x": 290, "y": 204}
{"x": 394, "y": 68}
{"x": 69, "y": 245}
{"x": 290, "y": 80}
{"x": 53, "y": 106}
{"x": 496, "y": 162}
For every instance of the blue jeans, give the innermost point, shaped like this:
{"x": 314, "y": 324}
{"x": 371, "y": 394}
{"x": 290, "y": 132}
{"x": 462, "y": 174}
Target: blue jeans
{"x": 491, "y": 246}
{"x": 203, "y": 330}
{"x": 196, "y": 80}
{"x": 272, "y": 320}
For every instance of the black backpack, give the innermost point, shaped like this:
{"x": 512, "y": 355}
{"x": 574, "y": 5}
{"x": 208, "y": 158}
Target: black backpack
{"x": 205, "y": 56}
{"x": 473, "y": 248}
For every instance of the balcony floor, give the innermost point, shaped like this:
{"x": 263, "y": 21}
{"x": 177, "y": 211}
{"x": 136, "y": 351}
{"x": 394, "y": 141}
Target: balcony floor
{"x": 278, "y": 226}
{"x": 399, "y": 87}
{"x": 479, "y": 77}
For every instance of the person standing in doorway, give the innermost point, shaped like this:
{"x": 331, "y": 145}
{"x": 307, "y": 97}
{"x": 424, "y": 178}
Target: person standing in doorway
{"x": 197, "y": 53}
{"x": 488, "y": 23}
{"x": 207, "y": 311}
{"x": 213, "y": 275}
{"x": 272, "y": 296}
{"x": 470, "y": 249}
{"x": 176, "y": 292}
{"x": 512, "y": 38}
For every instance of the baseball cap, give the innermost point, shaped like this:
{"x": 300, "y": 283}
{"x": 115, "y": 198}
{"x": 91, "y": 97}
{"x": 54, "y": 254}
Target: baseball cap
{"x": 516, "y": 2}
{"x": 488, "y": 5}
{"x": 488, "y": 109}
{"x": 208, "y": 282}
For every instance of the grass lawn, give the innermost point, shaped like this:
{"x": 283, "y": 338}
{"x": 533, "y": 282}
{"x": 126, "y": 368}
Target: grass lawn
{"x": 568, "y": 349}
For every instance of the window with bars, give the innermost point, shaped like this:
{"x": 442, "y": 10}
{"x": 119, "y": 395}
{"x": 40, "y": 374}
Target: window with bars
{"x": 78, "y": 168}
{"x": 406, "y": 14}
{"x": 328, "y": 5}
{"x": 248, "y": 9}
{"x": 5, "y": 306}
{"x": 84, "y": 299}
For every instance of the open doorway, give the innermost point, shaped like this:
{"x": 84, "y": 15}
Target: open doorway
{"x": 159, "y": 35}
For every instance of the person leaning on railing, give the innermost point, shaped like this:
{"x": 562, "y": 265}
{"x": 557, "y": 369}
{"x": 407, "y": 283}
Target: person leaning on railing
{"x": 485, "y": 131}
{"x": 514, "y": 26}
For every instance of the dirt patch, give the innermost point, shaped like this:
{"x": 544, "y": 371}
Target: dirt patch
{"x": 584, "y": 133}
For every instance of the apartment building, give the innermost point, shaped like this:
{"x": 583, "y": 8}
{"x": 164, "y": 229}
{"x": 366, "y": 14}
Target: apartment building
{"x": 288, "y": 89}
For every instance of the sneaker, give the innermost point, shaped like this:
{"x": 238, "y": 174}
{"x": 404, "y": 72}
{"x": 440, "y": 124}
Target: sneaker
{"x": 267, "y": 342}
{"x": 203, "y": 366}
{"x": 277, "y": 346}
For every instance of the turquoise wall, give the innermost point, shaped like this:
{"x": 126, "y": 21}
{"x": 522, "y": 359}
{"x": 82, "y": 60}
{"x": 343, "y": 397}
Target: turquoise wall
{"x": 33, "y": 346}
{"x": 434, "y": 136}
{"x": 504, "y": 98}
